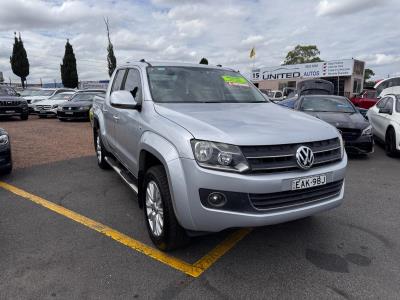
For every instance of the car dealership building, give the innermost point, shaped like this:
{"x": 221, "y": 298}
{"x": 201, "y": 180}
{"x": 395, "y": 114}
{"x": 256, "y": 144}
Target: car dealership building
{"x": 347, "y": 75}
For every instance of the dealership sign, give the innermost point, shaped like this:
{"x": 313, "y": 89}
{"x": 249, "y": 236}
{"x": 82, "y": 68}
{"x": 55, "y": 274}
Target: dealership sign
{"x": 332, "y": 68}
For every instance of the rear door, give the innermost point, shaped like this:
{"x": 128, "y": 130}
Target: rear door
{"x": 110, "y": 113}
{"x": 128, "y": 127}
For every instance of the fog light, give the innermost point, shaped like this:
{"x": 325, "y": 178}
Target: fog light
{"x": 216, "y": 199}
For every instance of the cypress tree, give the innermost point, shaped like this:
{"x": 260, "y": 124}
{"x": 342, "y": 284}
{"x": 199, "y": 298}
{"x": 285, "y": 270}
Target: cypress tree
{"x": 19, "y": 60}
{"x": 111, "y": 60}
{"x": 203, "y": 61}
{"x": 69, "y": 74}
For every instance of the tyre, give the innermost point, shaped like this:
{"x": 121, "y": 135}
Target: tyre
{"x": 101, "y": 152}
{"x": 24, "y": 117}
{"x": 7, "y": 170}
{"x": 390, "y": 143}
{"x": 161, "y": 222}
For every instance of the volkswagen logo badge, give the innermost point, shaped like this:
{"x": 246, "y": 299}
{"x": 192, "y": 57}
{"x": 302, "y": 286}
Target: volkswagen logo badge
{"x": 304, "y": 157}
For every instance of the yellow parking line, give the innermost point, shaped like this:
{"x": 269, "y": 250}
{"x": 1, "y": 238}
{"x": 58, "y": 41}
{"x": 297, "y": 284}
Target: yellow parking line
{"x": 194, "y": 270}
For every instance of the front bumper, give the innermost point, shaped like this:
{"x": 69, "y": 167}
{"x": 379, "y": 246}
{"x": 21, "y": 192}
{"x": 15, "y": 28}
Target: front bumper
{"x": 10, "y": 111}
{"x": 193, "y": 215}
{"x": 48, "y": 112}
{"x": 362, "y": 145}
{"x": 73, "y": 115}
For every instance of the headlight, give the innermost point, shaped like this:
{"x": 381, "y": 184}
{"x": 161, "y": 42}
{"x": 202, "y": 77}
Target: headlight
{"x": 367, "y": 131}
{"x": 3, "y": 140}
{"x": 341, "y": 145}
{"x": 219, "y": 156}
{"x": 55, "y": 106}
{"x": 84, "y": 108}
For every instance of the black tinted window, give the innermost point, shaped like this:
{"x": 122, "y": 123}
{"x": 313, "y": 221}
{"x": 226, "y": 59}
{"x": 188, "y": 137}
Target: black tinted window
{"x": 118, "y": 80}
{"x": 133, "y": 84}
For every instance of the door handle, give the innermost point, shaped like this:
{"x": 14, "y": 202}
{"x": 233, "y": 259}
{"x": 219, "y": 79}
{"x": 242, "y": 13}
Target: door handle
{"x": 115, "y": 117}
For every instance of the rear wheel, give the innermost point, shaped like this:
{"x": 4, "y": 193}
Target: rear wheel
{"x": 161, "y": 222}
{"x": 101, "y": 152}
{"x": 7, "y": 170}
{"x": 390, "y": 142}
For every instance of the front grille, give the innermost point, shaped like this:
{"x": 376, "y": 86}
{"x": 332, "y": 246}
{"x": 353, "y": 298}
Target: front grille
{"x": 68, "y": 108}
{"x": 43, "y": 107}
{"x": 285, "y": 199}
{"x": 282, "y": 158}
{"x": 350, "y": 134}
{"x": 10, "y": 103}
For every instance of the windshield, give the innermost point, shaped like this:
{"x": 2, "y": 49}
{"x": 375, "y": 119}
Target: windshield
{"x": 200, "y": 85}
{"x": 83, "y": 97}
{"x": 26, "y": 92}
{"x": 327, "y": 104}
{"x": 6, "y": 91}
{"x": 61, "y": 96}
{"x": 42, "y": 93}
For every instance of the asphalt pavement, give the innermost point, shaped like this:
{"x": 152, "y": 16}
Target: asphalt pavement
{"x": 352, "y": 252}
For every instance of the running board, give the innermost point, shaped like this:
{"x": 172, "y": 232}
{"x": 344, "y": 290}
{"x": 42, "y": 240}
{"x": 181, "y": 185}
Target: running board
{"x": 124, "y": 174}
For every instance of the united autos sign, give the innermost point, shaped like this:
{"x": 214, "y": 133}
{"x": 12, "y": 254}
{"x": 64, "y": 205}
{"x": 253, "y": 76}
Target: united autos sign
{"x": 332, "y": 68}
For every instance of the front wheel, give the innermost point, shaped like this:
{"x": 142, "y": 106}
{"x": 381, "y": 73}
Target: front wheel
{"x": 390, "y": 143}
{"x": 24, "y": 117}
{"x": 161, "y": 222}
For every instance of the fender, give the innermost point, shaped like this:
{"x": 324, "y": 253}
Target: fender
{"x": 166, "y": 152}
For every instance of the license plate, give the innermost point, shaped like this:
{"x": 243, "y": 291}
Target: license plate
{"x": 69, "y": 113}
{"x": 10, "y": 111}
{"x": 308, "y": 182}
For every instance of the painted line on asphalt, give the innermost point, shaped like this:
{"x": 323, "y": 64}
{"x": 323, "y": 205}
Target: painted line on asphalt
{"x": 194, "y": 270}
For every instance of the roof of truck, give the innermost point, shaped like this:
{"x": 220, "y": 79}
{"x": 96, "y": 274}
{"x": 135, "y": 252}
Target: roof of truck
{"x": 173, "y": 64}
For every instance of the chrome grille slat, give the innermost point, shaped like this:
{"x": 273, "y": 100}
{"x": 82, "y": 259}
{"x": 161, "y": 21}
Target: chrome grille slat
{"x": 281, "y": 158}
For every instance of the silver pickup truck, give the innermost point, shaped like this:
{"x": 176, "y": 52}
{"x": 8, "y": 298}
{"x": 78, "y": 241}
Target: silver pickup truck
{"x": 205, "y": 151}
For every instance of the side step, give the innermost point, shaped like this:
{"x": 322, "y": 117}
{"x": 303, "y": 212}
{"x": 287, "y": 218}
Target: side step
{"x": 123, "y": 173}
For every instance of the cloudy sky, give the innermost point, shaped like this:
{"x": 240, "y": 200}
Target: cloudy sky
{"x": 224, "y": 31}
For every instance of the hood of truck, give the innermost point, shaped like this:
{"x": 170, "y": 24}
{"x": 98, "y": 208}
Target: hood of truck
{"x": 246, "y": 123}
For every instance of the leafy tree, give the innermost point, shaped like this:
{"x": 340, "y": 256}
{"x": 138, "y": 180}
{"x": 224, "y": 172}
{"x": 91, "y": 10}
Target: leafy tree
{"x": 368, "y": 73}
{"x": 302, "y": 54}
{"x": 203, "y": 61}
{"x": 69, "y": 74}
{"x": 111, "y": 60}
{"x": 19, "y": 60}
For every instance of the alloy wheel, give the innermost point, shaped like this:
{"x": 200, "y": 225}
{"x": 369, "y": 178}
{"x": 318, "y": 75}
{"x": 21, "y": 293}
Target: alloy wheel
{"x": 154, "y": 208}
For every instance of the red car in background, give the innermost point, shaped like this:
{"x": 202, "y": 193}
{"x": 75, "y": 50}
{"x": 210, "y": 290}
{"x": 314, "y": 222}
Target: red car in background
{"x": 366, "y": 99}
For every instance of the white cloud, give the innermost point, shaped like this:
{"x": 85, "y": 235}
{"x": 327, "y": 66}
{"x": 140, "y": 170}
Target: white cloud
{"x": 344, "y": 7}
{"x": 223, "y": 31}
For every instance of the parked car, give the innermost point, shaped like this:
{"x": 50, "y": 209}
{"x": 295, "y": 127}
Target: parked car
{"x": 341, "y": 113}
{"x": 48, "y": 108}
{"x": 205, "y": 151}
{"x": 79, "y": 106}
{"x": 5, "y": 153}
{"x": 366, "y": 99}
{"x": 385, "y": 121}
{"x": 11, "y": 104}
{"x": 388, "y": 86}
{"x": 43, "y": 94}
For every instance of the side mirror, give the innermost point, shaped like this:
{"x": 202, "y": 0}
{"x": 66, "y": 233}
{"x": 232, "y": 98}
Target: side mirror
{"x": 123, "y": 99}
{"x": 387, "y": 111}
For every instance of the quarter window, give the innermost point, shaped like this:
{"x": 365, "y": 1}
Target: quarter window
{"x": 381, "y": 103}
{"x": 118, "y": 80}
{"x": 133, "y": 84}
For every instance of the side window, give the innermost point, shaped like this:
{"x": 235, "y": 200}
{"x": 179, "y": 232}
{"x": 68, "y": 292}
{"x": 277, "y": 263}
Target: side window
{"x": 389, "y": 103}
{"x": 133, "y": 84}
{"x": 116, "y": 86}
{"x": 398, "y": 105}
{"x": 381, "y": 103}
